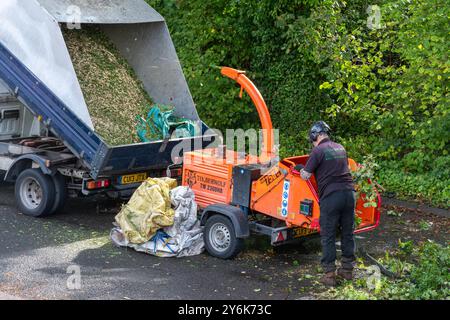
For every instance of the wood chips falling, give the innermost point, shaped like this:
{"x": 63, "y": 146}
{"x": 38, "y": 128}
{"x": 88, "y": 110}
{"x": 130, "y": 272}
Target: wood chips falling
{"x": 113, "y": 94}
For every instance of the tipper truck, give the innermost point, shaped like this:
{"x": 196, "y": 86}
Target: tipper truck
{"x": 48, "y": 145}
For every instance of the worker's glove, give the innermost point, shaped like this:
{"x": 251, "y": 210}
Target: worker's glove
{"x": 299, "y": 167}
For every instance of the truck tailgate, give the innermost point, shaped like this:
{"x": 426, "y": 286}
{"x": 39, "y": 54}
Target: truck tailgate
{"x": 145, "y": 156}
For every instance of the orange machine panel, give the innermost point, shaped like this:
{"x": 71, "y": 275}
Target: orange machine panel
{"x": 283, "y": 197}
{"x": 209, "y": 173}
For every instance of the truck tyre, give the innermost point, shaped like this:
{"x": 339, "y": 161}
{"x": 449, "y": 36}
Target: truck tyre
{"x": 220, "y": 238}
{"x": 60, "y": 193}
{"x": 35, "y": 193}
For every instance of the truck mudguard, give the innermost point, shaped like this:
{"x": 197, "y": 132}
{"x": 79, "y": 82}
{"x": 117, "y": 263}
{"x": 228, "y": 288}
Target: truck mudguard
{"x": 25, "y": 162}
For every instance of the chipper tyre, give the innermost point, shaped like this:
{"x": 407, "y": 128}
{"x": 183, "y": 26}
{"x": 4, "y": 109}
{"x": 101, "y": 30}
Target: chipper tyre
{"x": 35, "y": 193}
{"x": 220, "y": 238}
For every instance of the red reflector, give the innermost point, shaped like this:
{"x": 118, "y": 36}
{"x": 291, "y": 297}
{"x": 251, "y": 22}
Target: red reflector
{"x": 315, "y": 225}
{"x": 280, "y": 237}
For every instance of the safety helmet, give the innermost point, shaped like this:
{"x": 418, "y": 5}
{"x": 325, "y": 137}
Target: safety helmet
{"x": 317, "y": 129}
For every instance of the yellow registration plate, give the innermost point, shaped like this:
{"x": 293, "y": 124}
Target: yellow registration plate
{"x": 302, "y": 232}
{"x": 133, "y": 178}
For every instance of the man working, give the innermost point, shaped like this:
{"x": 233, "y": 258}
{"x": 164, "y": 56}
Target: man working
{"x": 329, "y": 163}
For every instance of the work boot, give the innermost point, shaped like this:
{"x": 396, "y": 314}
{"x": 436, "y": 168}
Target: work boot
{"x": 329, "y": 279}
{"x": 346, "y": 274}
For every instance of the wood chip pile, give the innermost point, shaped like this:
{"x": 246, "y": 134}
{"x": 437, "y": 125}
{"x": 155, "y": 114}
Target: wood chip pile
{"x": 113, "y": 94}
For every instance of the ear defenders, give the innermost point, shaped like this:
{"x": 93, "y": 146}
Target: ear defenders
{"x": 317, "y": 129}
{"x": 313, "y": 136}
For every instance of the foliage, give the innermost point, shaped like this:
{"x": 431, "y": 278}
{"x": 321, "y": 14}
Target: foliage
{"x": 364, "y": 178}
{"x": 422, "y": 271}
{"x": 425, "y": 225}
{"x": 393, "y": 213}
{"x": 205, "y": 35}
{"x": 405, "y": 185}
{"x": 391, "y": 85}
{"x": 384, "y": 90}
{"x": 253, "y": 36}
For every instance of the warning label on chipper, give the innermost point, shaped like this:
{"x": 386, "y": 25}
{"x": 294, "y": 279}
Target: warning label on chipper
{"x": 194, "y": 179}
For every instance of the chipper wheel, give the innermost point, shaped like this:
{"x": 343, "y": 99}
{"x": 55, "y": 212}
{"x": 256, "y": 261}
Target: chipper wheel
{"x": 220, "y": 238}
{"x": 35, "y": 193}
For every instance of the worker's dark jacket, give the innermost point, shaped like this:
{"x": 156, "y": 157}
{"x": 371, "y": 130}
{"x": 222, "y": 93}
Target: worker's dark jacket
{"x": 329, "y": 163}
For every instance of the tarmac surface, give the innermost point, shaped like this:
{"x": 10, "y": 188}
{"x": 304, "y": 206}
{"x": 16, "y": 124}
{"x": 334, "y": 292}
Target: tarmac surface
{"x": 70, "y": 256}
{"x": 40, "y": 259}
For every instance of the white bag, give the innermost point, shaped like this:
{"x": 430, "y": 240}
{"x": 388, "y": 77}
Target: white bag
{"x": 183, "y": 239}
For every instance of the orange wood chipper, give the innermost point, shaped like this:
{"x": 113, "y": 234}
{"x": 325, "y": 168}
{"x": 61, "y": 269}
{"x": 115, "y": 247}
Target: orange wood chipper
{"x": 239, "y": 194}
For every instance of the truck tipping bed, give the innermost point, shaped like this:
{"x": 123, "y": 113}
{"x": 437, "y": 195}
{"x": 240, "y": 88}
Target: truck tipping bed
{"x": 36, "y": 67}
{"x": 78, "y": 137}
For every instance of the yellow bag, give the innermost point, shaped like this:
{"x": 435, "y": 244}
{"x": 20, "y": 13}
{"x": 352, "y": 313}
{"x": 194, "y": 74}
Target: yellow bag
{"x": 148, "y": 210}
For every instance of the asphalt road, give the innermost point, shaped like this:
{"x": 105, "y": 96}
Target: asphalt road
{"x": 36, "y": 255}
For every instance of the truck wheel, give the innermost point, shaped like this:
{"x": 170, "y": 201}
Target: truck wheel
{"x": 35, "y": 193}
{"x": 60, "y": 193}
{"x": 220, "y": 238}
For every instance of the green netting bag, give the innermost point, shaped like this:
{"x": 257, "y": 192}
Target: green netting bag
{"x": 161, "y": 124}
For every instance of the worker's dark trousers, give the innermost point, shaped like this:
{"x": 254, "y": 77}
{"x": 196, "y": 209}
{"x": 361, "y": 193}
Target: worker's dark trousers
{"x": 337, "y": 211}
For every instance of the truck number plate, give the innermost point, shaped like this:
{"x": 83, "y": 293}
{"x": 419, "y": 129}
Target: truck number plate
{"x": 302, "y": 232}
{"x": 133, "y": 178}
